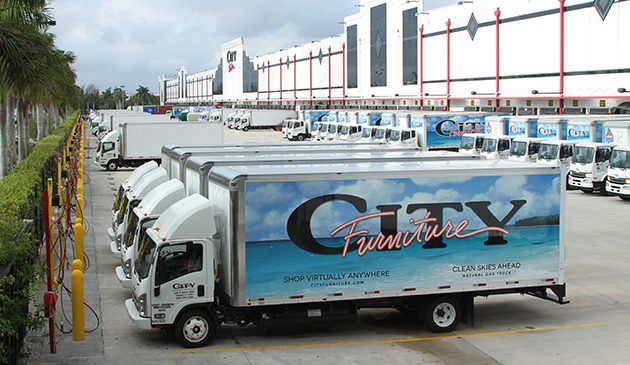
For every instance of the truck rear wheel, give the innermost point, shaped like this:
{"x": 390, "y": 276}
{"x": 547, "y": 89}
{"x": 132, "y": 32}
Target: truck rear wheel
{"x": 195, "y": 328}
{"x": 441, "y": 314}
{"x": 300, "y": 137}
{"x": 112, "y": 166}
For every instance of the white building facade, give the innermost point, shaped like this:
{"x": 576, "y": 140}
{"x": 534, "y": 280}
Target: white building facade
{"x": 521, "y": 56}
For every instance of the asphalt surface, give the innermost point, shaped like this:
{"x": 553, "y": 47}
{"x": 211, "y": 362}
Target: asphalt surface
{"x": 510, "y": 329}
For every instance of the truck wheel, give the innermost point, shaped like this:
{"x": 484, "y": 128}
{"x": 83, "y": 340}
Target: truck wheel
{"x": 112, "y": 166}
{"x": 300, "y": 137}
{"x": 441, "y": 314}
{"x": 602, "y": 188}
{"x": 195, "y": 328}
{"x": 587, "y": 191}
{"x": 245, "y": 129}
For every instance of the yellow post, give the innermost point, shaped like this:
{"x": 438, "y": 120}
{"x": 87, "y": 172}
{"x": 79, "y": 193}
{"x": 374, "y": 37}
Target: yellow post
{"x": 78, "y": 239}
{"x": 80, "y": 205}
{"x": 78, "y": 316}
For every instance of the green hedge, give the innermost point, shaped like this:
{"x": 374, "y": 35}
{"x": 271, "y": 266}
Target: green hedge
{"x": 21, "y": 198}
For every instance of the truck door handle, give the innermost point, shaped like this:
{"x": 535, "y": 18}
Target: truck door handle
{"x": 201, "y": 291}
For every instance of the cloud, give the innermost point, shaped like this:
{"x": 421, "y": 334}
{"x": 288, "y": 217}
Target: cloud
{"x": 133, "y": 42}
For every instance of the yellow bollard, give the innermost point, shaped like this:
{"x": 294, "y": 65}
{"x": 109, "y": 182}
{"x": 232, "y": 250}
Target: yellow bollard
{"x": 78, "y": 316}
{"x": 78, "y": 240}
{"x": 80, "y": 206}
{"x": 50, "y": 225}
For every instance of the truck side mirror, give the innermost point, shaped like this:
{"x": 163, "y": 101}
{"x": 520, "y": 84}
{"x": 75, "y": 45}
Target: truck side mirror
{"x": 156, "y": 291}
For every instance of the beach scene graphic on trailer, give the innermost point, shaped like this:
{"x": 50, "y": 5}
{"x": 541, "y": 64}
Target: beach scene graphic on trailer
{"x": 365, "y": 235}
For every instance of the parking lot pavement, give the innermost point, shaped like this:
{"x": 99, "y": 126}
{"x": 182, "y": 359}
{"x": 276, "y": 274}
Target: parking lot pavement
{"x": 510, "y": 329}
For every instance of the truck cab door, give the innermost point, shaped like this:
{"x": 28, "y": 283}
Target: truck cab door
{"x": 180, "y": 279}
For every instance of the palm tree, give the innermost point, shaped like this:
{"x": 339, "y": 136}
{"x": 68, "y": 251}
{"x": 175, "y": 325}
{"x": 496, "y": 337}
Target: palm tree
{"x": 32, "y": 71}
{"x": 143, "y": 95}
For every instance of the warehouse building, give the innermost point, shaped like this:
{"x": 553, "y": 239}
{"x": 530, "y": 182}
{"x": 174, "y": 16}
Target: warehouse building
{"x": 519, "y": 56}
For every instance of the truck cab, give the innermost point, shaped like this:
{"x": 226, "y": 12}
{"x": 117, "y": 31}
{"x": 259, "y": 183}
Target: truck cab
{"x": 496, "y": 147}
{"x": 142, "y": 217}
{"x": 404, "y": 137}
{"x": 285, "y": 126}
{"x": 349, "y": 132}
{"x": 108, "y": 151}
{"x": 229, "y": 120}
{"x": 366, "y": 133}
{"x": 333, "y": 131}
{"x": 126, "y": 185}
{"x": 297, "y": 130}
{"x": 175, "y": 270}
{"x": 525, "y": 149}
{"x": 589, "y": 166}
{"x": 132, "y": 199}
{"x": 618, "y": 181}
{"x": 471, "y": 143}
{"x": 381, "y": 134}
{"x": 555, "y": 152}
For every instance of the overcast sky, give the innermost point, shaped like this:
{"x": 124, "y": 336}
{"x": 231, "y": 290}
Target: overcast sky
{"x": 132, "y": 42}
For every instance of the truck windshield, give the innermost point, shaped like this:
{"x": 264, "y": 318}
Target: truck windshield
{"x": 620, "y": 159}
{"x": 467, "y": 143}
{"x": 394, "y": 136}
{"x": 121, "y": 211}
{"x": 489, "y": 145}
{"x": 583, "y": 154}
{"x": 380, "y": 133}
{"x": 548, "y": 152}
{"x": 366, "y": 133}
{"x": 344, "y": 130}
{"x": 118, "y": 198}
{"x": 144, "y": 224}
{"x": 146, "y": 249}
{"x": 322, "y": 127}
{"x": 518, "y": 148}
{"x": 131, "y": 230}
{"x": 332, "y": 128}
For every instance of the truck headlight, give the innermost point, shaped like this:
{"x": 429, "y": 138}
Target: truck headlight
{"x": 127, "y": 268}
{"x": 118, "y": 242}
{"x": 142, "y": 305}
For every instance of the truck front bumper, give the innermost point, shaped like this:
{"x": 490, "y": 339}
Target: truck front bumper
{"x": 111, "y": 233}
{"x": 115, "y": 251}
{"x": 618, "y": 189}
{"x": 122, "y": 278}
{"x": 134, "y": 315}
{"x": 581, "y": 182}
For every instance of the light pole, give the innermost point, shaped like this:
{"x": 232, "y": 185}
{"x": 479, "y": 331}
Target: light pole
{"x": 122, "y": 97}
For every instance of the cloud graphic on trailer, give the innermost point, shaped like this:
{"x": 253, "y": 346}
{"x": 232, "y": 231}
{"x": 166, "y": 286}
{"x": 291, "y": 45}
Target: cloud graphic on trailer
{"x": 268, "y": 221}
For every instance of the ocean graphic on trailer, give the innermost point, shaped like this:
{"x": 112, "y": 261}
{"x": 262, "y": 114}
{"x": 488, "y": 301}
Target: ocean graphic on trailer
{"x": 370, "y": 236}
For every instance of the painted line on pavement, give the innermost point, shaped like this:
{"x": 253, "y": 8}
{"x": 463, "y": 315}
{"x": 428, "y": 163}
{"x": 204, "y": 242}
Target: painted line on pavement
{"x": 377, "y": 342}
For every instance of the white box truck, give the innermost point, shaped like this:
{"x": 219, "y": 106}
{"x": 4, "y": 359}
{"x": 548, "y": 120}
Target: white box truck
{"x": 349, "y": 236}
{"x": 588, "y": 169}
{"x": 618, "y": 181}
{"x": 137, "y": 143}
{"x": 264, "y": 118}
{"x": 115, "y": 121}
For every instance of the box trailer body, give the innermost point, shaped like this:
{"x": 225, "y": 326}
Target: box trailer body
{"x": 264, "y": 118}
{"x": 163, "y": 109}
{"x": 197, "y": 168}
{"x": 362, "y": 241}
{"x": 115, "y": 121}
{"x": 141, "y": 142}
{"x": 444, "y": 130}
{"x": 174, "y": 156}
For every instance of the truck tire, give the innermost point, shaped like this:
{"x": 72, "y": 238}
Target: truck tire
{"x": 300, "y": 137}
{"x": 602, "y": 188}
{"x": 112, "y": 165}
{"x": 441, "y": 314}
{"x": 195, "y": 328}
{"x": 245, "y": 129}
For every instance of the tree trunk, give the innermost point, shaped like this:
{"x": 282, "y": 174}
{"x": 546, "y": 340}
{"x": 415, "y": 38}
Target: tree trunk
{"x": 4, "y": 130}
{"x": 39, "y": 122}
{"x": 22, "y": 129}
{"x": 11, "y": 156}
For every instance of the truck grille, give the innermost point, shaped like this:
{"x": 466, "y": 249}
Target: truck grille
{"x": 578, "y": 174}
{"x": 616, "y": 180}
